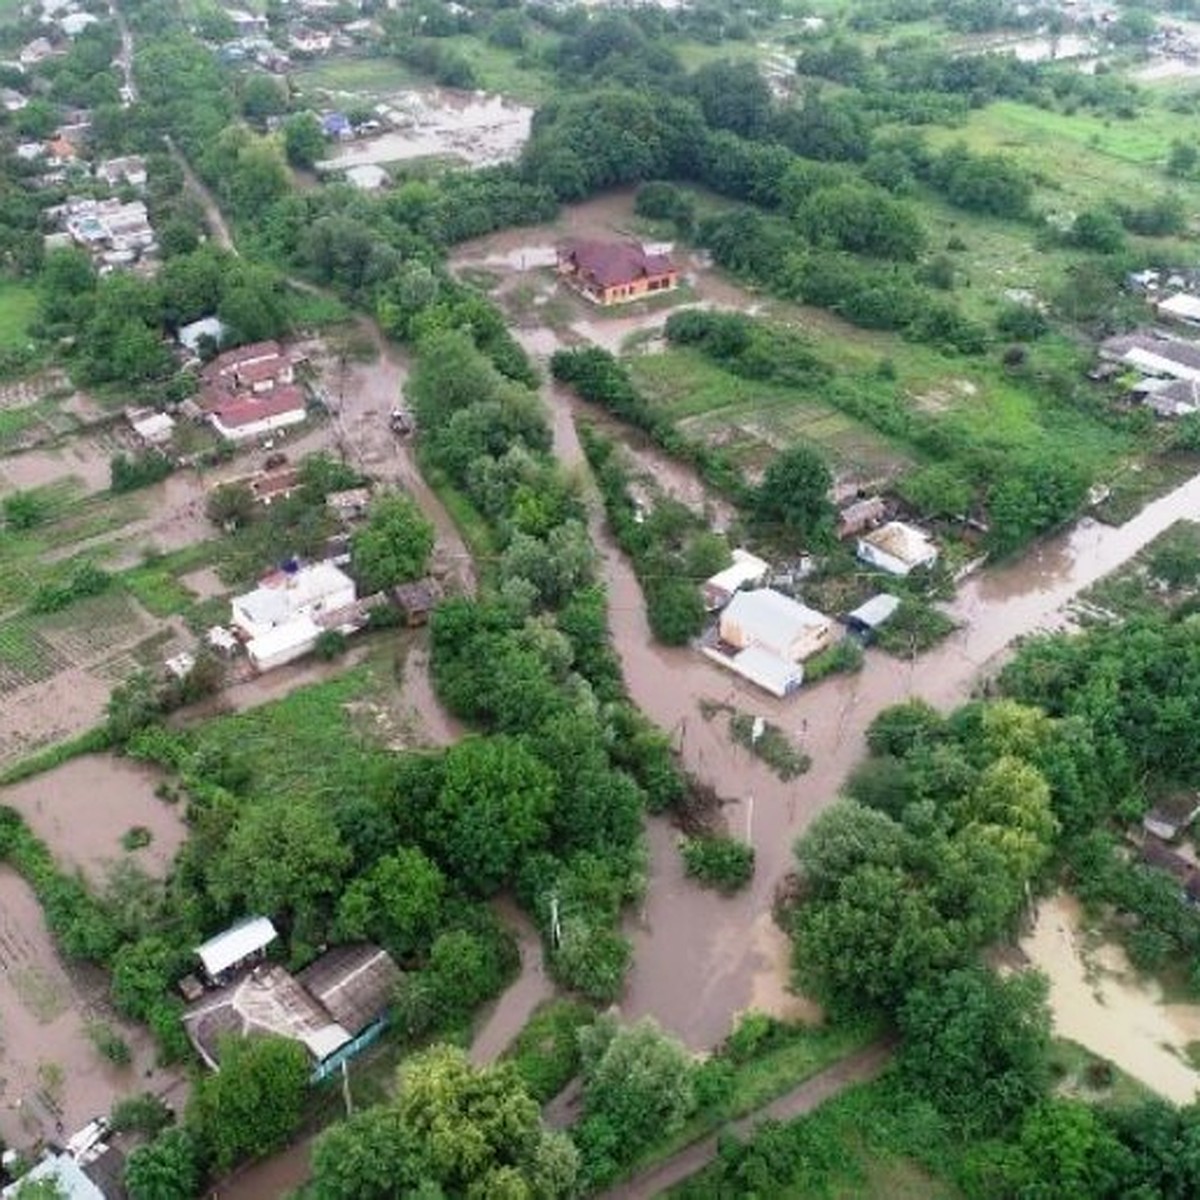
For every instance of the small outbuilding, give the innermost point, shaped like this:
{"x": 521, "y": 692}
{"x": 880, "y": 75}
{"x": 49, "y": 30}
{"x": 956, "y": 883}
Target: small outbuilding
{"x": 416, "y": 600}
{"x": 237, "y": 947}
{"x": 1171, "y": 816}
{"x": 746, "y": 570}
{"x": 860, "y": 515}
{"x": 897, "y": 548}
{"x": 367, "y": 177}
{"x": 284, "y": 643}
{"x": 867, "y": 619}
{"x": 1184, "y": 308}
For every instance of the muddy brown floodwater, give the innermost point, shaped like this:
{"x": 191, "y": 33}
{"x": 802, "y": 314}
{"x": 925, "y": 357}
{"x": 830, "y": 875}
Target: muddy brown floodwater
{"x": 82, "y": 809}
{"x": 480, "y": 129}
{"x": 52, "y": 1078}
{"x": 700, "y": 958}
{"x": 1100, "y": 1002}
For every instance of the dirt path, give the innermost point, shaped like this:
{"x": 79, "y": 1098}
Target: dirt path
{"x": 857, "y": 1068}
{"x": 212, "y": 211}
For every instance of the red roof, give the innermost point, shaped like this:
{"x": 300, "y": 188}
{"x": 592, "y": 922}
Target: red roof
{"x": 228, "y": 359}
{"x": 612, "y": 264}
{"x": 260, "y": 370}
{"x": 245, "y": 410}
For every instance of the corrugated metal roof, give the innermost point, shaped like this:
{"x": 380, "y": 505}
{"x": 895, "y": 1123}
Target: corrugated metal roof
{"x": 241, "y": 940}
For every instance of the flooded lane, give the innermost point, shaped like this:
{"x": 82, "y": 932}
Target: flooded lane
{"x": 698, "y": 958}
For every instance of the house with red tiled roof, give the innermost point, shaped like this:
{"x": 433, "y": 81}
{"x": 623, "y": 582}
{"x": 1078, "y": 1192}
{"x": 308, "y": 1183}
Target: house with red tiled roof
{"x": 615, "y": 272}
{"x": 247, "y": 415}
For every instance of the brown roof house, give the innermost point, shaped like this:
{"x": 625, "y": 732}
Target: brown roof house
{"x": 416, "y": 600}
{"x": 335, "y": 1007}
{"x": 615, "y": 272}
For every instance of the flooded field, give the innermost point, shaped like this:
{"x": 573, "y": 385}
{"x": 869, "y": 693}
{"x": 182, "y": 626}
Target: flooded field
{"x": 82, "y": 809}
{"x": 83, "y": 459}
{"x": 1100, "y": 1002}
{"x": 52, "y": 1078}
{"x": 479, "y": 129}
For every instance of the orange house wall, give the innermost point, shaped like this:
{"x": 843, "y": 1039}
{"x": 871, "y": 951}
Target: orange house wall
{"x": 637, "y": 288}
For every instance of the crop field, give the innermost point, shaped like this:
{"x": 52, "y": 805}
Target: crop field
{"x": 25, "y": 656}
{"x": 754, "y": 419}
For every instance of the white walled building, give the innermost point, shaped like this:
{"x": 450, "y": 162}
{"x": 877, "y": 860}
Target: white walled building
{"x": 285, "y": 596}
{"x": 897, "y": 548}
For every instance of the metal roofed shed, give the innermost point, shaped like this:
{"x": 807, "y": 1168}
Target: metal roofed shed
{"x": 775, "y": 622}
{"x": 1183, "y": 307}
{"x": 867, "y": 618}
{"x": 284, "y": 643}
{"x": 237, "y": 945}
{"x": 745, "y": 569}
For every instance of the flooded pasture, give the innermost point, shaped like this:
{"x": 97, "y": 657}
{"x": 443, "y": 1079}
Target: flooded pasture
{"x": 1099, "y": 1001}
{"x": 52, "y": 1077}
{"x": 477, "y": 128}
{"x": 82, "y": 809}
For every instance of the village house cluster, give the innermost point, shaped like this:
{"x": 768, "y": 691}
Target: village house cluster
{"x": 1158, "y": 365}
{"x": 335, "y": 1007}
{"x": 766, "y": 636}
{"x": 311, "y": 28}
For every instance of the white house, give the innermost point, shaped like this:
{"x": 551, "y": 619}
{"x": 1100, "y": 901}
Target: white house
{"x": 776, "y": 623}
{"x": 189, "y": 335}
{"x": 897, "y": 548}
{"x": 250, "y": 416}
{"x": 367, "y": 177}
{"x": 745, "y": 570}
{"x": 73, "y": 24}
{"x": 283, "y": 644}
{"x": 285, "y": 595}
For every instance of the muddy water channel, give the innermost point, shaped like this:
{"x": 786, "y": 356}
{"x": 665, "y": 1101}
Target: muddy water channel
{"x": 1100, "y": 1002}
{"x": 700, "y": 958}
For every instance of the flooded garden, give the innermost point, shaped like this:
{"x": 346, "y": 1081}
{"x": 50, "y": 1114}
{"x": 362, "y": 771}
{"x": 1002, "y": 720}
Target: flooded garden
{"x": 86, "y": 811}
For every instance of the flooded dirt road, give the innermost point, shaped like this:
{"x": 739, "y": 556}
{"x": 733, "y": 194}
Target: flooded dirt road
{"x": 700, "y": 957}
{"x": 1100, "y": 1002}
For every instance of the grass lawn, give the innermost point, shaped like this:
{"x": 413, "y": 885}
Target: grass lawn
{"x": 499, "y": 70}
{"x": 1079, "y": 160}
{"x": 370, "y": 76}
{"x": 18, "y": 304}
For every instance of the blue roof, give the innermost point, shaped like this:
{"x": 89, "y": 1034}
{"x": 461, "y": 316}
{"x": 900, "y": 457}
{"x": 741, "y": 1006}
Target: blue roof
{"x": 335, "y": 122}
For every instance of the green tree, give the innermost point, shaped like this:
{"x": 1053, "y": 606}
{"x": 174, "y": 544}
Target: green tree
{"x": 230, "y": 504}
{"x": 792, "y": 502}
{"x": 1182, "y": 160}
{"x": 1098, "y": 229}
{"x": 638, "y": 1087}
{"x": 978, "y": 1046}
{"x": 452, "y": 1129}
{"x": 284, "y": 856}
{"x": 254, "y": 1103}
{"x": 303, "y": 141}
{"x": 164, "y": 1169}
{"x": 393, "y": 546}
{"x": 398, "y": 903}
{"x": 492, "y": 809}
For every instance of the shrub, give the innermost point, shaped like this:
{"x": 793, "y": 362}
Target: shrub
{"x": 109, "y": 1043}
{"x": 330, "y": 644}
{"x": 771, "y": 745}
{"x": 127, "y": 473}
{"x": 719, "y": 862}
{"x": 136, "y": 837}
{"x": 86, "y": 580}
{"x": 144, "y": 1113}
